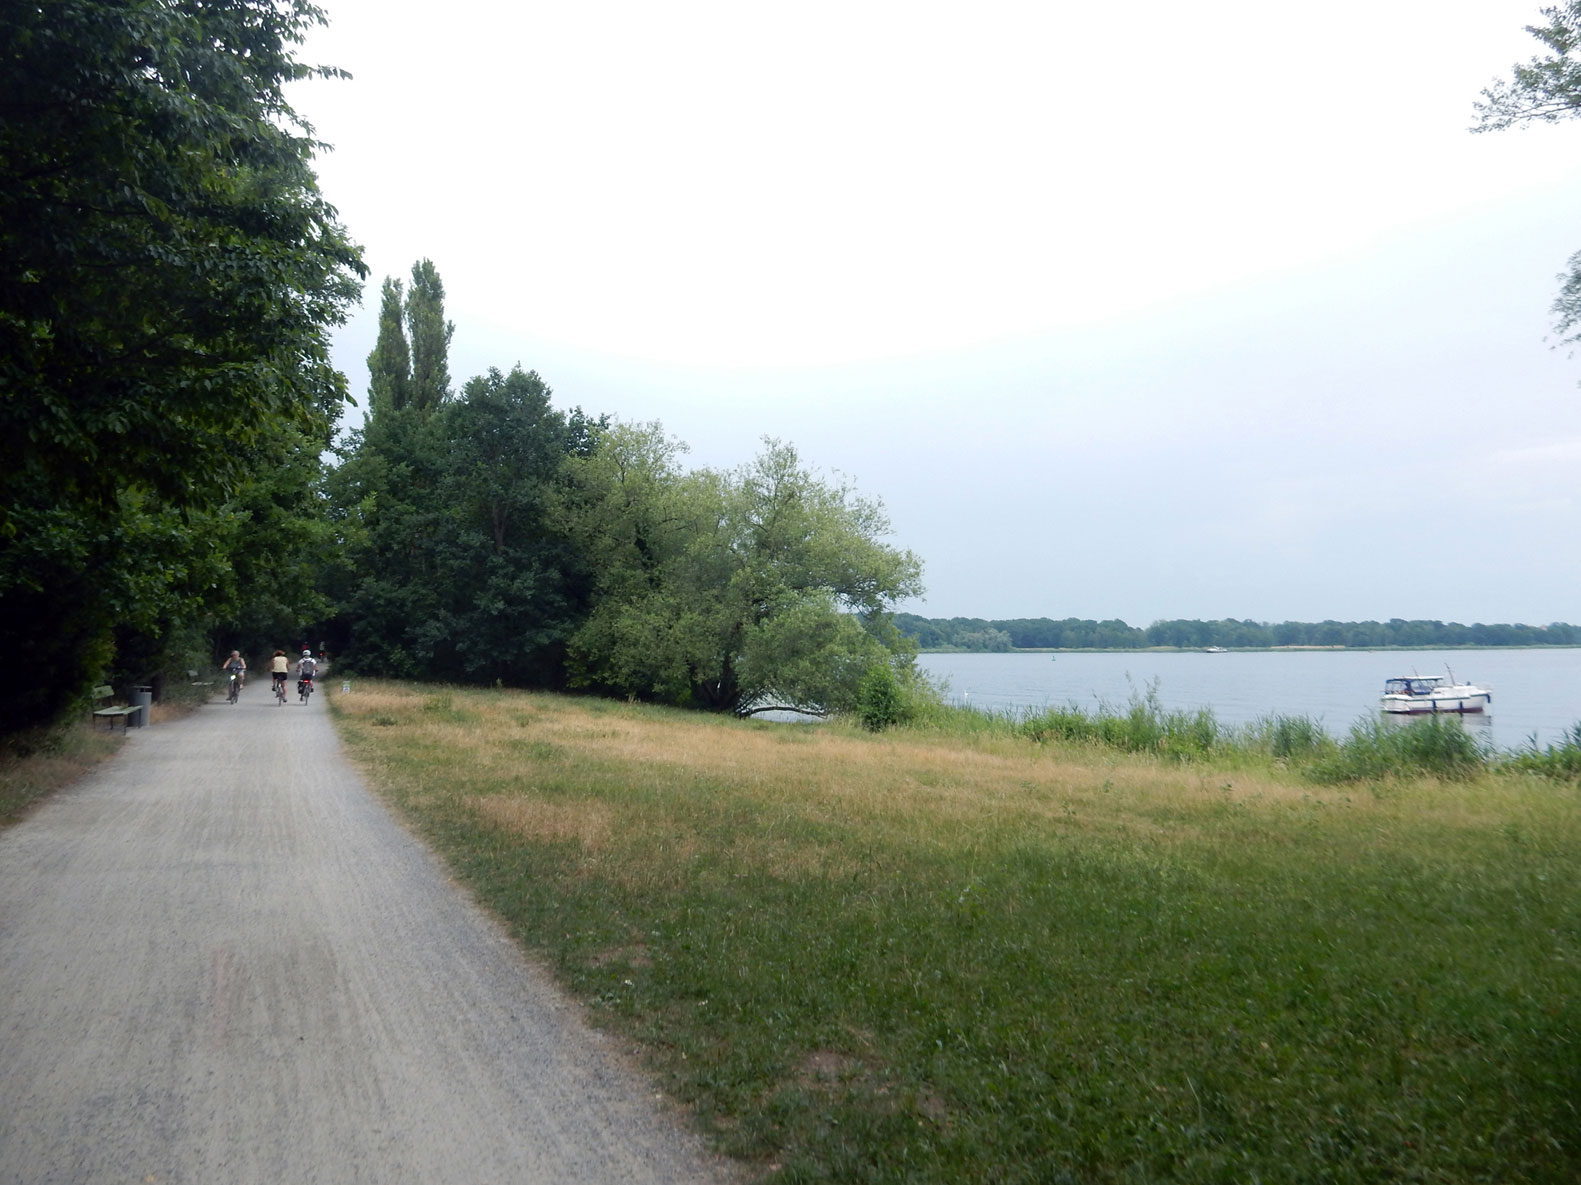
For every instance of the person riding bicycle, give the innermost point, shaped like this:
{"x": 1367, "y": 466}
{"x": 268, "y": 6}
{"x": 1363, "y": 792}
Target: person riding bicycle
{"x": 306, "y": 668}
{"x": 281, "y": 667}
{"x": 236, "y": 665}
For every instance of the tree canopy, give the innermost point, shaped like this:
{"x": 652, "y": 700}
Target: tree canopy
{"x": 761, "y": 587}
{"x": 458, "y": 567}
{"x": 1545, "y": 89}
{"x": 169, "y": 272}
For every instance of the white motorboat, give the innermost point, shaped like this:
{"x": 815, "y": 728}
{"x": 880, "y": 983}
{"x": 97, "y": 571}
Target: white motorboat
{"x": 1421, "y": 694}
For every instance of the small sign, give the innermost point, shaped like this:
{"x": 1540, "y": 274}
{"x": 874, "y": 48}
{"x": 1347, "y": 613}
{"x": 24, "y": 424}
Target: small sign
{"x": 345, "y": 686}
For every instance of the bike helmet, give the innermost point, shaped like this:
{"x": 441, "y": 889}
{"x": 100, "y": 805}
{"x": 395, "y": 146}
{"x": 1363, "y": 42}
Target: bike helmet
{"x": 307, "y": 654}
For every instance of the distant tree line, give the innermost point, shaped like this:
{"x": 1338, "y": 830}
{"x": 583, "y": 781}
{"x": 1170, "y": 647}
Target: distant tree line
{"x": 975, "y": 633}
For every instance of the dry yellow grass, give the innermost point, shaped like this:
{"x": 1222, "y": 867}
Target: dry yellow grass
{"x": 588, "y": 823}
{"x": 533, "y": 760}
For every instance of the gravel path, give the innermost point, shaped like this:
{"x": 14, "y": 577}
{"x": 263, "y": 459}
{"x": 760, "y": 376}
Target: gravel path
{"x": 222, "y": 961}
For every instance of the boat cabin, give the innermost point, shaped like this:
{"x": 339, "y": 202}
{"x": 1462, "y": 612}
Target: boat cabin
{"x": 1414, "y": 685}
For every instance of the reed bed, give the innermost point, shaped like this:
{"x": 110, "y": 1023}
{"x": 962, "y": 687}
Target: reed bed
{"x": 971, "y": 954}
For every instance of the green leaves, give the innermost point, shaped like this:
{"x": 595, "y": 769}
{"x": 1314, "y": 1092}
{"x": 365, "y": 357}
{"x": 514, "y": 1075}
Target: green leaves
{"x": 461, "y": 571}
{"x": 169, "y": 268}
{"x": 1546, "y": 89}
{"x": 409, "y": 366}
{"x": 169, "y": 273}
{"x": 737, "y": 591}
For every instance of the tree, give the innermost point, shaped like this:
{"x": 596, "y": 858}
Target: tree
{"x": 430, "y": 335}
{"x": 759, "y": 588}
{"x": 390, "y": 364}
{"x": 385, "y": 502}
{"x": 168, "y": 275}
{"x": 1545, "y": 90}
{"x": 990, "y": 639}
{"x": 410, "y": 363}
{"x": 451, "y": 519}
{"x": 516, "y": 588}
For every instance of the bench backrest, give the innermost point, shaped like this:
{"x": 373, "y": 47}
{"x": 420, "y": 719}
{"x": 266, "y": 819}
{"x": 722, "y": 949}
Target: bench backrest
{"x": 105, "y": 692}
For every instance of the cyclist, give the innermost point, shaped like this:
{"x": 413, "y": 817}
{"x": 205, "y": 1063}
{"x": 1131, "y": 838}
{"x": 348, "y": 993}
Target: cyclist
{"x": 280, "y": 668}
{"x": 236, "y": 665}
{"x": 306, "y": 668}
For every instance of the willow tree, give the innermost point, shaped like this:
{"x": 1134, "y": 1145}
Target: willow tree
{"x": 761, "y": 587}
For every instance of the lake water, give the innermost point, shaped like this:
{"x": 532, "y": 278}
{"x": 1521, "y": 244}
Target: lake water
{"x": 1535, "y": 692}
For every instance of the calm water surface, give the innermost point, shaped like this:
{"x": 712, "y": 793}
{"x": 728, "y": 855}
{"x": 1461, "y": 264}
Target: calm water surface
{"x": 1535, "y": 692}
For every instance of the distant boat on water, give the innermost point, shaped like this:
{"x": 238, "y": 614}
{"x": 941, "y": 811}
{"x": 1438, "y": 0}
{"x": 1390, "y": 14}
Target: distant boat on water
{"x": 1214, "y": 650}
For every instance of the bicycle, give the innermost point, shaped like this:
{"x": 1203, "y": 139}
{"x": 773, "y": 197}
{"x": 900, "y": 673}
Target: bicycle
{"x": 235, "y": 688}
{"x": 279, "y": 690}
{"x": 304, "y": 687}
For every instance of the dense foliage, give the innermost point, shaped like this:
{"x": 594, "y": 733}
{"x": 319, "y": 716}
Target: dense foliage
{"x": 168, "y": 275}
{"x": 452, "y": 567}
{"x": 974, "y": 633}
{"x": 759, "y": 588}
{"x": 491, "y": 537}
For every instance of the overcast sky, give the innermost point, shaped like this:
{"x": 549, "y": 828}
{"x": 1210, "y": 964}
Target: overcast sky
{"x": 1141, "y": 311}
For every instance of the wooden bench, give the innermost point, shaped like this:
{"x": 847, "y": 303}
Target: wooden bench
{"x": 111, "y": 713}
{"x": 196, "y": 682}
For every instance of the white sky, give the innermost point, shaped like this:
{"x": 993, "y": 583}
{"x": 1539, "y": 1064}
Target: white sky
{"x": 1143, "y": 312}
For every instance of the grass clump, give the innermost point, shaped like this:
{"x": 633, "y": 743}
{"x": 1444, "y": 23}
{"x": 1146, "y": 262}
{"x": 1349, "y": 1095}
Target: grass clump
{"x": 1560, "y": 761}
{"x": 1142, "y": 729}
{"x": 1376, "y": 750}
{"x": 919, "y": 956}
{"x": 1290, "y": 739}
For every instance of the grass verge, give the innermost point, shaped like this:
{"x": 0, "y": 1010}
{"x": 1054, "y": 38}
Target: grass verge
{"x": 35, "y": 764}
{"x": 914, "y": 957}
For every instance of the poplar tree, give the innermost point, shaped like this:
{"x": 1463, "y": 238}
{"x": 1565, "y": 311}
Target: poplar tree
{"x": 390, "y": 364}
{"x": 429, "y": 334}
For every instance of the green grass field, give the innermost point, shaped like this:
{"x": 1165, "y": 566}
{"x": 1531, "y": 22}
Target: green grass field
{"x": 978, "y": 957}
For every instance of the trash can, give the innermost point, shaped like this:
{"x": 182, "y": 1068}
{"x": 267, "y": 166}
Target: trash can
{"x": 142, "y": 700}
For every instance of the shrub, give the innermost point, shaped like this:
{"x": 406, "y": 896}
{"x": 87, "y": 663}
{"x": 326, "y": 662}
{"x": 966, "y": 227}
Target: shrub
{"x": 880, "y": 699}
